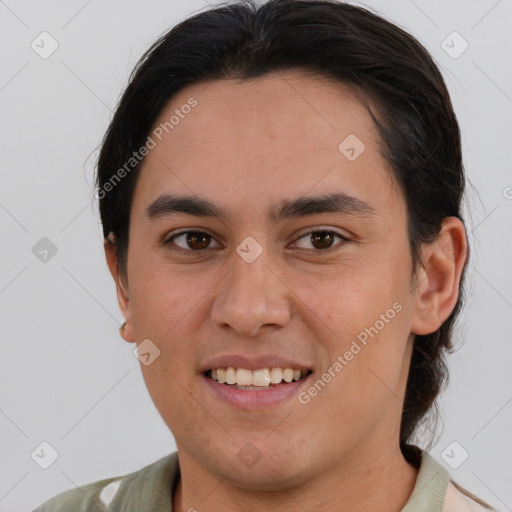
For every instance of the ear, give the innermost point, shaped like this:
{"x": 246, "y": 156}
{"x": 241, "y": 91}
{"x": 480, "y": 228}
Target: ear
{"x": 121, "y": 288}
{"x": 438, "y": 278}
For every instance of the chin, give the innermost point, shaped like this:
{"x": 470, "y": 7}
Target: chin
{"x": 262, "y": 468}
{"x": 265, "y": 479}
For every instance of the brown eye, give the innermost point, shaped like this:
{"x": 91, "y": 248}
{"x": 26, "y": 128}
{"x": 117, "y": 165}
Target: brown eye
{"x": 322, "y": 239}
{"x": 198, "y": 240}
{"x": 190, "y": 241}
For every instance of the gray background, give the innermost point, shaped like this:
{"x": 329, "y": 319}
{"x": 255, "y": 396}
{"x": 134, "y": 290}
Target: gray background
{"x": 67, "y": 378}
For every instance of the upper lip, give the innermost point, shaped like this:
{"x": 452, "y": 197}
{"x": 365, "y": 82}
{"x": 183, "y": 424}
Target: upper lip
{"x": 253, "y": 362}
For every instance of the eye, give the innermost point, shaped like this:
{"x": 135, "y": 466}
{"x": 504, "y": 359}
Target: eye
{"x": 322, "y": 241}
{"x": 187, "y": 242}
{"x": 192, "y": 241}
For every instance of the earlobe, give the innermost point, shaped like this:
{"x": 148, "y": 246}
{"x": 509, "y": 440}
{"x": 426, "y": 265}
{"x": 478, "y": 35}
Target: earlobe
{"x": 121, "y": 289}
{"x": 438, "y": 279}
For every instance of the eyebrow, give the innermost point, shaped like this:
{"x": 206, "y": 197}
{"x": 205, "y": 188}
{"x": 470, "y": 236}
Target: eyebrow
{"x": 340, "y": 203}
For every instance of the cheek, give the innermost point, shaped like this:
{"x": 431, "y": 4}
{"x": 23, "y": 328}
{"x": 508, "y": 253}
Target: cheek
{"x": 367, "y": 312}
{"x": 171, "y": 395}
{"x": 353, "y": 297}
{"x": 164, "y": 309}
{"x": 164, "y": 298}
{"x": 363, "y": 387}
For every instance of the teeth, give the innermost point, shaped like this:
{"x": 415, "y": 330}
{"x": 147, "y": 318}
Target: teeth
{"x": 262, "y": 377}
{"x": 230, "y": 375}
{"x": 243, "y": 377}
{"x": 288, "y": 375}
{"x": 276, "y": 375}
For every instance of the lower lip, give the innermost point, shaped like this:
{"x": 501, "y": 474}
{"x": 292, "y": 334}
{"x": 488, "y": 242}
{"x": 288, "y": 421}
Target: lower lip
{"x": 254, "y": 398}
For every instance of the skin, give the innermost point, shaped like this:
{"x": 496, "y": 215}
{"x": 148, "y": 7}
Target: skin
{"x": 245, "y": 146}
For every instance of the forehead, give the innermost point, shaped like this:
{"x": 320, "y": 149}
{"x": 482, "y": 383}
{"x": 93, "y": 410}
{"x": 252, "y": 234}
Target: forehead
{"x": 253, "y": 142}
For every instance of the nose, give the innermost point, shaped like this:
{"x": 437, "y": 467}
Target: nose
{"x": 251, "y": 296}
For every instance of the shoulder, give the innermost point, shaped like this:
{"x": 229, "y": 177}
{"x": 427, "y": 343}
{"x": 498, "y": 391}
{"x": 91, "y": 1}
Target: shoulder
{"x": 86, "y": 498}
{"x": 435, "y": 491}
{"x": 98, "y": 496}
{"x": 457, "y": 499}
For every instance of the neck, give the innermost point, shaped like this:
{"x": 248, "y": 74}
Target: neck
{"x": 358, "y": 483}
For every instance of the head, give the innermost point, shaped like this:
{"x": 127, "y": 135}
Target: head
{"x": 325, "y": 134}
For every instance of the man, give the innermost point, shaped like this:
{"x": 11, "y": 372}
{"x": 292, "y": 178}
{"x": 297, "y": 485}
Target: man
{"x": 280, "y": 194}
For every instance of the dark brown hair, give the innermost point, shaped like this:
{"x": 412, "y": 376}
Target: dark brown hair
{"x": 349, "y": 44}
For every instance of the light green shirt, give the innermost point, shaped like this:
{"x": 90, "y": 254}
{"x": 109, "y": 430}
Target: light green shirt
{"x": 150, "y": 489}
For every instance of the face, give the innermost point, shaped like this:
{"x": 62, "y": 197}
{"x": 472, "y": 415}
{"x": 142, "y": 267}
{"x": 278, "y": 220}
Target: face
{"x": 300, "y": 262}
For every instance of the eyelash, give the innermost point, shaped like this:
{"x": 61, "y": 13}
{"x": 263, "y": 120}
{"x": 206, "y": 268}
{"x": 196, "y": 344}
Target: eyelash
{"x": 332, "y": 249}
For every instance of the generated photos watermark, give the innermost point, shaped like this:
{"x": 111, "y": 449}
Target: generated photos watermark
{"x": 363, "y": 337}
{"x": 152, "y": 141}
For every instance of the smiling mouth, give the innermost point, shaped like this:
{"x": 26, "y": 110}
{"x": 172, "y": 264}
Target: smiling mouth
{"x": 254, "y": 380}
